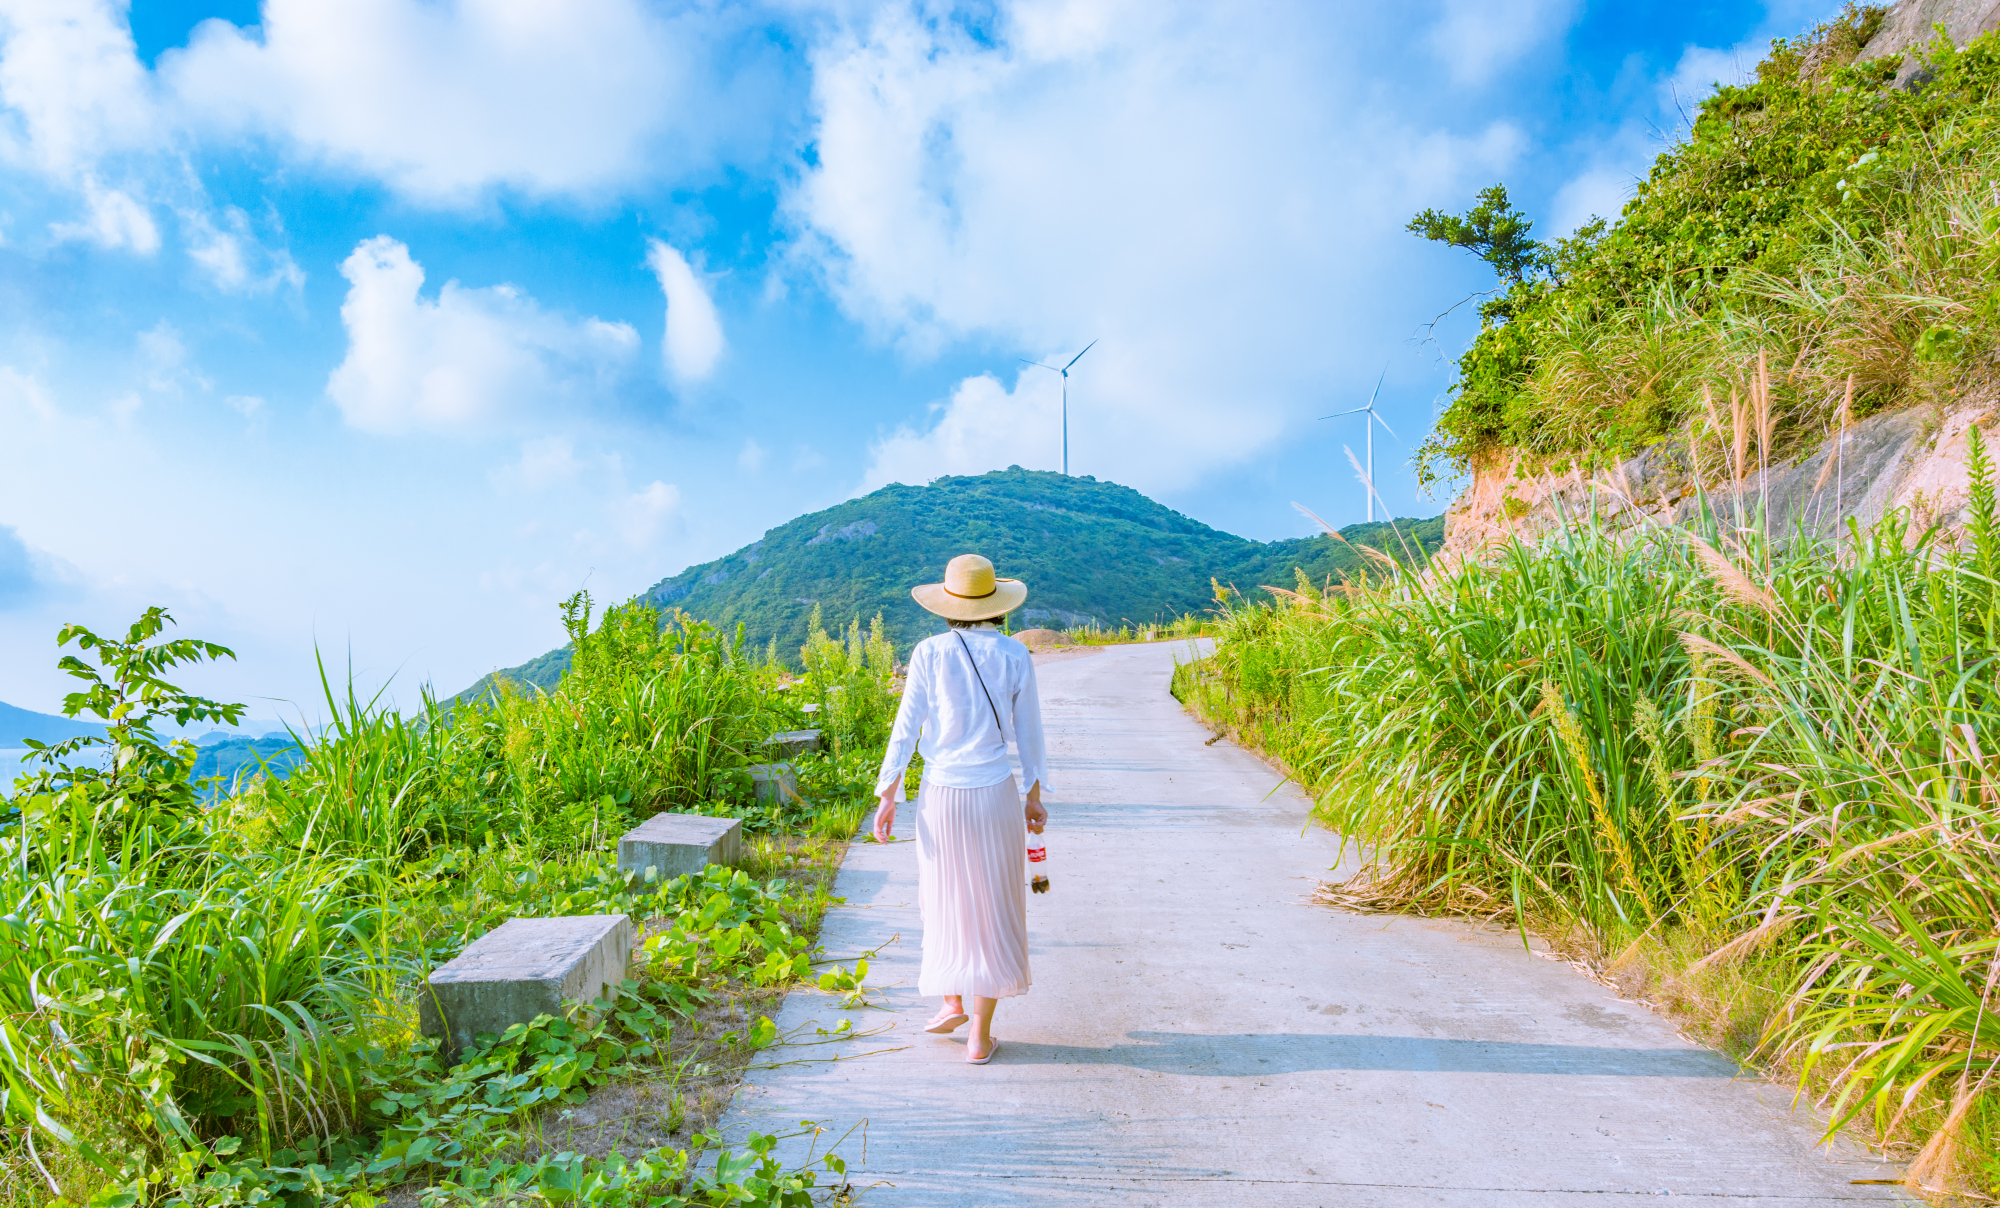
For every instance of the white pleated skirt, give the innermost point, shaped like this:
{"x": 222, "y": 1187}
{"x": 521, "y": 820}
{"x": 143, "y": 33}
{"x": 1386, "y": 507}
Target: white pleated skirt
{"x": 971, "y": 887}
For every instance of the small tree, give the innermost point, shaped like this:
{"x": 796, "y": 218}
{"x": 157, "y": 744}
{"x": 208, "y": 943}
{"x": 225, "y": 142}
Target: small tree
{"x": 1493, "y": 230}
{"x": 125, "y": 689}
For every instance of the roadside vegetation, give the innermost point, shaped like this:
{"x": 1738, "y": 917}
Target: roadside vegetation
{"x": 209, "y": 997}
{"x": 1821, "y": 234}
{"x": 1756, "y": 786}
{"x": 1750, "y": 777}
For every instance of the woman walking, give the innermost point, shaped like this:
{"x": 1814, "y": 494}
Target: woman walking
{"x": 967, "y": 693}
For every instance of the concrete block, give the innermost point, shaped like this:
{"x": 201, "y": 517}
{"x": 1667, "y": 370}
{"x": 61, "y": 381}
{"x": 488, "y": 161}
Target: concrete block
{"x": 793, "y": 742}
{"x": 521, "y": 969}
{"x": 680, "y": 843}
{"x": 774, "y": 782}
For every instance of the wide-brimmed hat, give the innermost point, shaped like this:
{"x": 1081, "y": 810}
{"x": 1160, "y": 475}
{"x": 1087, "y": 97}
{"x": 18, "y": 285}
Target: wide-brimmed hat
{"x": 970, "y": 591}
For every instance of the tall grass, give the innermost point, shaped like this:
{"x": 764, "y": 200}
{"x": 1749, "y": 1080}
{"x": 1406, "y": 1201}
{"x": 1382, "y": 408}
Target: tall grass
{"x": 1891, "y": 304}
{"x": 183, "y": 980}
{"x": 1778, "y": 758}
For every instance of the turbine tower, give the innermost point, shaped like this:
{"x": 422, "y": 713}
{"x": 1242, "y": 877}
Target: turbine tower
{"x": 1065, "y": 404}
{"x": 1374, "y": 417}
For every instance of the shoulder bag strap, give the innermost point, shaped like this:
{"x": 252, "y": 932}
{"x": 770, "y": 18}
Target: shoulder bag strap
{"x": 982, "y": 684}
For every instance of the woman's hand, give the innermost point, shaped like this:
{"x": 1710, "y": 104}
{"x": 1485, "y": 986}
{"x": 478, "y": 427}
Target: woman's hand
{"x": 1037, "y": 816}
{"x": 885, "y": 817}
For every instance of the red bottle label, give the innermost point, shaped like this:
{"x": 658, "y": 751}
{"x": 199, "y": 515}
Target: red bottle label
{"x": 1037, "y": 854}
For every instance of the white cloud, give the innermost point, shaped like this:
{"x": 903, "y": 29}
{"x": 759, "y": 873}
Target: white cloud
{"x": 643, "y": 515}
{"x": 444, "y": 100}
{"x": 983, "y": 426}
{"x": 71, "y": 84}
{"x": 1479, "y": 38}
{"x": 114, "y": 220}
{"x": 752, "y": 456}
{"x": 693, "y": 341}
{"x": 1214, "y": 192}
{"x": 471, "y": 357}
{"x": 245, "y": 405}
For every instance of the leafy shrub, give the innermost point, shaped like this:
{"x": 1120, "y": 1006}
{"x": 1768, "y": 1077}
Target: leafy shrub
{"x": 1817, "y": 216}
{"x": 213, "y": 1001}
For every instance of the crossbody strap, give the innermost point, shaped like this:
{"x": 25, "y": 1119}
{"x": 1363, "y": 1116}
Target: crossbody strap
{"x": 982, "y": 684}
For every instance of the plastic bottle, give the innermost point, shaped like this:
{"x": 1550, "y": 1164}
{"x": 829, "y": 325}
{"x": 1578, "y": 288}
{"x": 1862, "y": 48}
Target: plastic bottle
{"x": 1038, "y": 867}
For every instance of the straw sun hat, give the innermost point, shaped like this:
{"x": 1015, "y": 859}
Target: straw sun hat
{"x": 970, "y": 591}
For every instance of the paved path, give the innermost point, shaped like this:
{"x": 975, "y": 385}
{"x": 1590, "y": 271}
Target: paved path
{"x": 1199, "y": 1035}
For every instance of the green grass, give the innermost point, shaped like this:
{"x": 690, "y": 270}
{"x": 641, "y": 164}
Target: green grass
{"x": 1761, "y": 777}
{"x": 212, "y": 1001}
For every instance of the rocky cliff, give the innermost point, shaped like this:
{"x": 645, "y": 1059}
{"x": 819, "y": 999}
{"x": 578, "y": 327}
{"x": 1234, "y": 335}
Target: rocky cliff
{"x": 1912, "y": 459}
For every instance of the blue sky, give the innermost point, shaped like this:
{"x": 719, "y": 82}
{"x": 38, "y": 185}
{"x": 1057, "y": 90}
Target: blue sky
{"x": 382, "y": 325}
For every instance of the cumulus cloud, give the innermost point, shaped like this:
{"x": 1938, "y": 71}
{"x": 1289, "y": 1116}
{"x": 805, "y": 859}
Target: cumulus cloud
{"x": 643, "y": 515}
{"x": 983, "y": 425}
{"x": 1142, "y": 173}
{"x": 1477, "y": 38}
{"x": 443, "y": 100}
{"x": 71, "y": 84}
{"x": 693, "y": 341}
{"x": 470, "y": 357}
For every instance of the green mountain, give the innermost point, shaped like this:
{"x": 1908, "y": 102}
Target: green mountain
{"x": 1090, "y": 552}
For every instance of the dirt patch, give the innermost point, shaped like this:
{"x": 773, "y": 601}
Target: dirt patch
{"x": 1040, "y": 639}
{"x": 706, "y": 1063}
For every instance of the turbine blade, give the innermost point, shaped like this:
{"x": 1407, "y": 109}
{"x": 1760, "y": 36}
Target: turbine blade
{"x": 1038, "y": 364}
{"x": 1338, "y": 414}
{"x": 1079, "y": 356}
{"x": 1377, "y": 417}
{"x": 1378, "y": 388}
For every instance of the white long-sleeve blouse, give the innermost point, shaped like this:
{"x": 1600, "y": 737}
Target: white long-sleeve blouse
{"x": 945, "y": 715}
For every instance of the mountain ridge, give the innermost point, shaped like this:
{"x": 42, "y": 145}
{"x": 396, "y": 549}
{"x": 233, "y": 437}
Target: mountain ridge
{"x": 1090, "y": 551}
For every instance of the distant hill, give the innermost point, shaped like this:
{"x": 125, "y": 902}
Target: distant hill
{"x": 17, "y": 724}
{"x": 1090, "y": 551}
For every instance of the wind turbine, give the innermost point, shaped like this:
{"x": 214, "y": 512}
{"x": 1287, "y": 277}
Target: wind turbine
{"x": 1374, "y": 417}
{"x": 1065, "y": 377}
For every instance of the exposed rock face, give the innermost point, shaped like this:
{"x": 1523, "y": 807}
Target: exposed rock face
{"x": 1914, "y": 458}
{"x": 1911, "y": 23}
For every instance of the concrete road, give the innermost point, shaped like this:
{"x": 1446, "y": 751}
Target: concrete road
{"x": 1198, "y": 1034}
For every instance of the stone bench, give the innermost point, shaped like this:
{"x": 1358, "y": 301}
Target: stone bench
{"x": 521, "y": 969}
{"x": 789, "y": 743}
{"x": 774, "y": 783}
{"x": 680, "y": 843}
